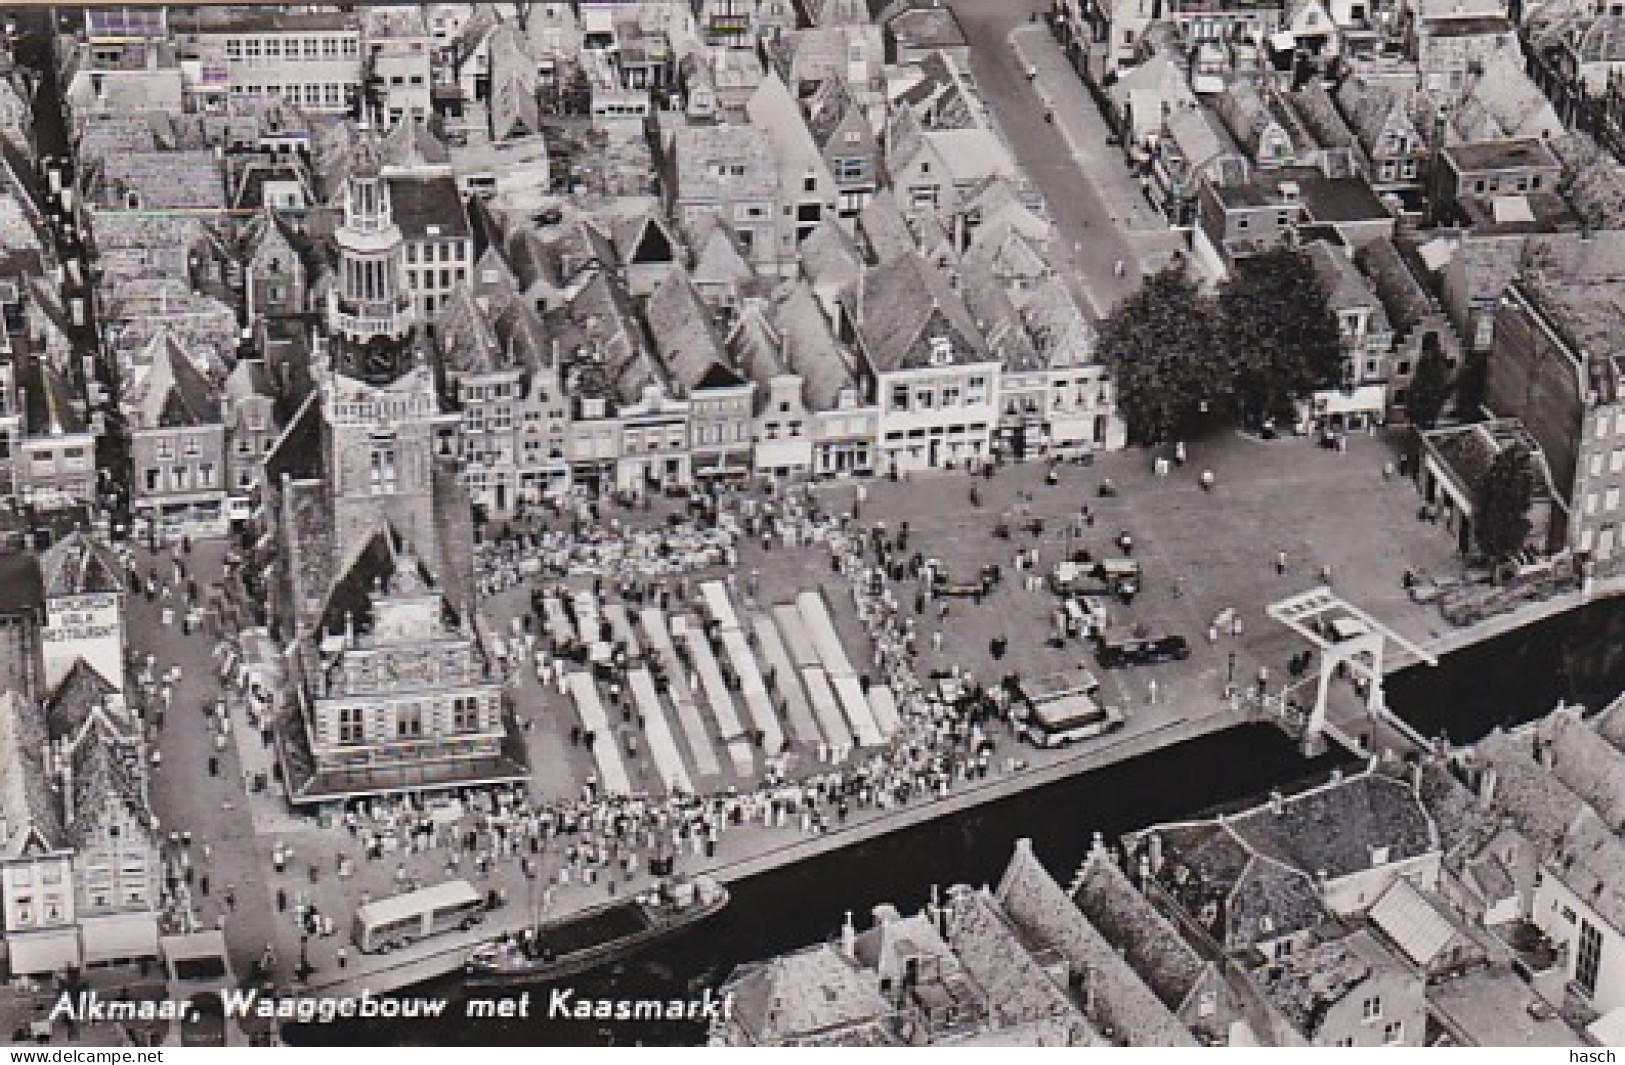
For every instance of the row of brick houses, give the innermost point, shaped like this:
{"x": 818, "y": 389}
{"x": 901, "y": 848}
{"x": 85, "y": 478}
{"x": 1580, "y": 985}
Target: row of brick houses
{"x": 356, "y": 336}
{"x": 723, "y": 328}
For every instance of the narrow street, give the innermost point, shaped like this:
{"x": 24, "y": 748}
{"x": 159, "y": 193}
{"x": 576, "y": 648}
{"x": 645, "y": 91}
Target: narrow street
{"x": 1093, "y": 199}
{"x": 185, "y": 795}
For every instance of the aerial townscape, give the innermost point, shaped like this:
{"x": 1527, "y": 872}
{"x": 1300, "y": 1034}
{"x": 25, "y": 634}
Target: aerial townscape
{"x": 813, "y": 522}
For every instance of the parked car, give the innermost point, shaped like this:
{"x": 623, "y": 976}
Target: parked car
{"x": 1131, "y": 648}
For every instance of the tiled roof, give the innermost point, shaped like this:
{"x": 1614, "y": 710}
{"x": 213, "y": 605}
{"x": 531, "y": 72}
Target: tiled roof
{"x": 829, "y": 257}
{"x": 1590, "y": 768}
{"x": 884, "y": 229}
{"x": 1123, "y": 1000}
{"x": 163, "y": 180}
{"x": 27, "y": 803}
{"x": 1150, "y": 944}
{"x": 1463, "y": 823}
{"x": 48, "y": 407}
{"x": 685, "y": 335}
{"x": 1061, "y": 331}
{"x": 1591, "y": 862}
{"x": 1502, "y": 102}
{"x": 1305, "y": 984}
{"x": 106, "y": 771}
{"x": 996, "y": 318}
{"x": 753, "y": 344}
{"x": 645, "y": 237}
{"x": 902, "y": 307}
{"x": 173, "y": 393}
{"x": 1336, "y": 828}
{"x": 1270, "y": 900}
{"x": 1610, "y": 723}
{"x": 700, "y": 154}
{"x": 80, "y": 692}
{"x": 1017, "y": 987}
{"x": 1403, "y": 297}
{"x": 810, "y": 347}
{"x": 811, "y": 996}
{"x": 720, "y": 262}
{"x": 524, "y": 336}
{"x": 79, "y": 564}
{"x": 1543, "y": 807}
{"x": 1346, "y": 288}
{"x": 412, "y": 145}
{"x": 464, "y": 334}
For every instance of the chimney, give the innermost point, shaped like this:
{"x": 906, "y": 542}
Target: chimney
{"x": 1097, "y": 846}
{"x": 1486, "y": 787}
{"x": 1024, "y": 848}
{"x": 1337, "y": 776}
{"x": 1277, "y": 802}
{"x": 884, "y": 914}
{"x": 849, "y": 939}
{"x": 1154, "y": 852}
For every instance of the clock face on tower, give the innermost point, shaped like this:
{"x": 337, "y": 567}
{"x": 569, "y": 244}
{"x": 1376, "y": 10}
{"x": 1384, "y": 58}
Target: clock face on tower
{"x": 379, "y": 360}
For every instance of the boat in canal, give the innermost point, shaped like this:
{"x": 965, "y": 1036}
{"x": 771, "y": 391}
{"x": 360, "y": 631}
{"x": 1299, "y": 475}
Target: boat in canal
{"x": 602, "y": 935}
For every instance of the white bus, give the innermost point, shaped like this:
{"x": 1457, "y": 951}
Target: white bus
{"x": 397, "y": 921}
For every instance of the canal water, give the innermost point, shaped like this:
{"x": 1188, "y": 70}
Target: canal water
{"x": 797, "y": 905}
{"x": 1575, "y": 657}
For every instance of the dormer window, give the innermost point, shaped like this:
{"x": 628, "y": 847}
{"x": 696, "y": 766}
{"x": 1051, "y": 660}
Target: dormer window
{"x": 942, "y": 351}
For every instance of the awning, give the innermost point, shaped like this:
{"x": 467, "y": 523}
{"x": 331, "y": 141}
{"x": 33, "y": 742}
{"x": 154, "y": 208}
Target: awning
{"x": 1367, "y": 399}
{"x": 125, "y": 935}
{"x": 43, "y": 953}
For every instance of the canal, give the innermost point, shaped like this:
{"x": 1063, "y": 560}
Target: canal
{"x": 1575, "y": 657}
{"x": 802, "y": 904}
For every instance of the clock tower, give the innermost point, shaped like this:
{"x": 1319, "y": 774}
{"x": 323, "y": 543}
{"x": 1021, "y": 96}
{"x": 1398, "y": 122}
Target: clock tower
{"x": 370, "y": 311}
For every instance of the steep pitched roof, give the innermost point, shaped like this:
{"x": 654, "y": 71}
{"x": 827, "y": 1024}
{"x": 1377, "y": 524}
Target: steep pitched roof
{"x": 1336, "y": 828}
{"x": 1591, "y": 862}
{"x": 1403, "y": 298}
{"x": 685, "y": 335}
{"x": 810, "y": 348}
{"x": 49, "y": 408}
{"x": 106, "y": 771}
{"x": 902, "y": 307}
{"x": 1591, "y": 769}
{"x": 79, "y": 564}
{"x": 464, "y": 334}
{"x": 1061, "y": 331}
{"x": 811, "y": 994}
{"x": 1543, "y": 807}
{"x": 1125, "y": 1002}
{"x": 720, "y": 260}
{"x": 78, "y": 695}
{"x": 173, "y": 392}
{"x": 28, "y": 807}
{"x": 884, "y": 230}
{"x": 298, "y": 452}
{"x": 1153, "y": 948}
{"x": 829, "y": 256}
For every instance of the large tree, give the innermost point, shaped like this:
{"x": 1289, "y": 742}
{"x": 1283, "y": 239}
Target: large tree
{"x": 1430, "y": 385}
{"x": 1501, "y": 515}
{"x": 1279, "y": 334}
{"x": 1160, "y": 342}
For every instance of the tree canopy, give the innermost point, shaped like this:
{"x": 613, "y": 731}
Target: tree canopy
{"x": 1167, "y": 366}
{"x": 1430, "y": 385}
{"x": 1280, "y": 335}
{"x": 1501, "y": 517}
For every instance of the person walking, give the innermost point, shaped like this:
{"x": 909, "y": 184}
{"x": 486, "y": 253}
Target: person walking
{"x": 1280, "y": 563}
